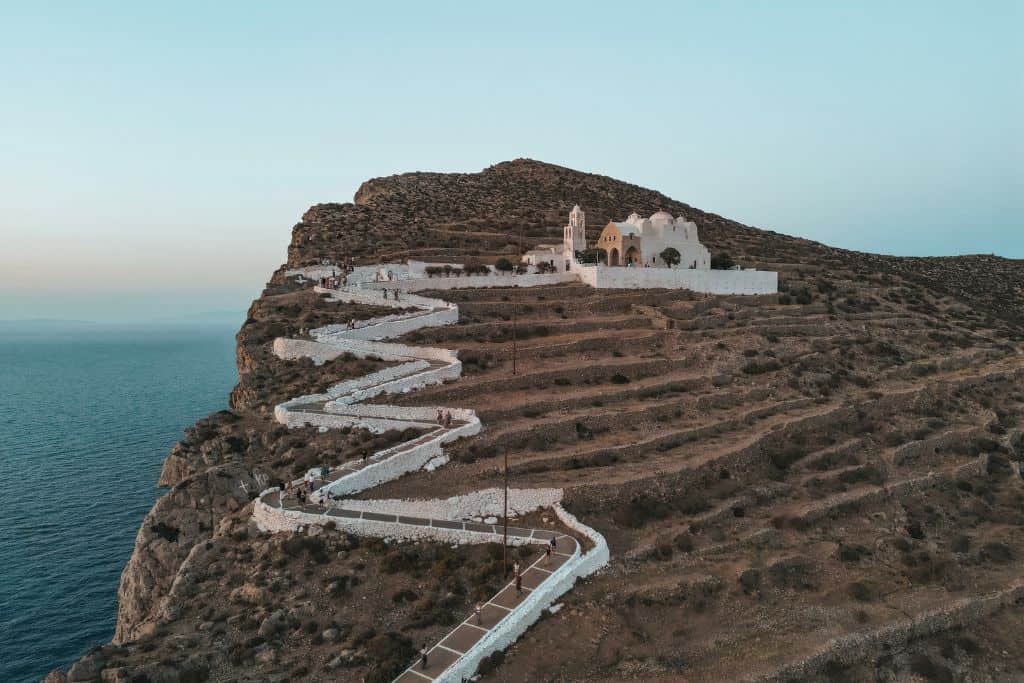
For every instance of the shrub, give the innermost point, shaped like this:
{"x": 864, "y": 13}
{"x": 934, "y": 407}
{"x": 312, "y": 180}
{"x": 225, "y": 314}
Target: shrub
{"x": 721, "y": 261}
{"x": 755, "y": 368}
{"x": 404, "y": 595}
{"x": 491, "y": 662}
{"x": 619, "y": 378}
{"x": 862, "y": 591}
{"x": 684, "y": 542}
{"x": 390, "y": 654}
{"x": 640, "y": 510}
{"x": 504, "y": 265}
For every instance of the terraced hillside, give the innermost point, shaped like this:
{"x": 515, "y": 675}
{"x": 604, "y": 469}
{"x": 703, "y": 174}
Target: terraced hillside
{"x": 819, "y": 485}
{"x": 770, "y": 477}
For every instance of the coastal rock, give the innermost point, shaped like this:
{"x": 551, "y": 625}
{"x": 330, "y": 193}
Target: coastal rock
{"x": 178, "y": 521}
{"x": 86, "y": 669}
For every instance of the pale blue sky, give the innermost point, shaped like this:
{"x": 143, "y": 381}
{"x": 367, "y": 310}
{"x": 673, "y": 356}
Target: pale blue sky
{"x": 154, "y": 156}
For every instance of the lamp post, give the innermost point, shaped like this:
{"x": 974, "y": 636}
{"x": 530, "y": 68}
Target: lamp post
{"x": 515, "y": 320}
{"x": 504, "y": 543}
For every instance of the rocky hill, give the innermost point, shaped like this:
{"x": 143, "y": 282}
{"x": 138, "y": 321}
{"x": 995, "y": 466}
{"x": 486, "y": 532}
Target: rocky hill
{"x": 823, "y": 484}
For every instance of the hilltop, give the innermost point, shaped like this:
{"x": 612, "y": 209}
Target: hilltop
{"x": 823, "y": 484}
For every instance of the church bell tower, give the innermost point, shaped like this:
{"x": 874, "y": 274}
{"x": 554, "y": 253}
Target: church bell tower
{"x": 575, "y": 237}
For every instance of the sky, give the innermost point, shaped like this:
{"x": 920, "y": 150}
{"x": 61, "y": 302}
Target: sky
{"x": 154, "y": 156}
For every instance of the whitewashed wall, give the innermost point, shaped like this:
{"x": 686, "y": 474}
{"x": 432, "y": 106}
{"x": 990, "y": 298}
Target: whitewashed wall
{"x": 530, "y": 610}
{"x": 482, "y": 503}
{"x": 483, "y": 281}
{"x": 709, "y": 281}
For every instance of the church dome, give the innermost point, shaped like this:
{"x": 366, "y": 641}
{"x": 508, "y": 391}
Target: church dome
{"x": 662, "y": 217}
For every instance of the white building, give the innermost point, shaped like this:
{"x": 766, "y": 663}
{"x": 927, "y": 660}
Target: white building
{"x": 639, "y": 242}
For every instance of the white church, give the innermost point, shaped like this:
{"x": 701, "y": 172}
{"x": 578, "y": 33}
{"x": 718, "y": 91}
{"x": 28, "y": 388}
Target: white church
{"x": 642, "y": 242}
{"x": 634, "y": 243}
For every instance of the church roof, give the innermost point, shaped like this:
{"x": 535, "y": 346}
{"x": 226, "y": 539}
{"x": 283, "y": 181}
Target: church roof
{"x": 627, "y": 228}
{"x": 662, "y": 216}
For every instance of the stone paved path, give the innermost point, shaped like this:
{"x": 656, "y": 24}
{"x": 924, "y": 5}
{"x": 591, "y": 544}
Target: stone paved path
{"x": 461, "y": 638}
{"x": 503, "y": 605}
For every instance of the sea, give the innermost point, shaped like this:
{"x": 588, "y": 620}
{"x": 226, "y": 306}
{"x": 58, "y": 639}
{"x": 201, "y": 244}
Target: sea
{"x": 87, "y": 414}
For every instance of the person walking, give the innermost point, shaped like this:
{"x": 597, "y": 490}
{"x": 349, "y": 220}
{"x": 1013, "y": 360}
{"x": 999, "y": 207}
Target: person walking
{"x": 519, "y": 583}
{"x": 423, "y": 658}
{"x": 440, "y": 417}
{"x": 478, "y": 611}
{"x": 515, "y": 568}
{"x": 547, "y": 554}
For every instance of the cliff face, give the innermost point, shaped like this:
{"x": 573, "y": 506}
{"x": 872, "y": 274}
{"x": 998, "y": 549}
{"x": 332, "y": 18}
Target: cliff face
{"x": 740, "y": 382}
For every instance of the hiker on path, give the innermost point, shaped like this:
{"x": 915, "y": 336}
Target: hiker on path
{"x": 384, "y": 292}
{"x": 478, "y": 611}
{"x": 519, "y": 583}
{"x": 440, "y": 417}
{"x": 547, "y": 554}
{"x": 515, "y": 569}
{"x": 448, "y": 419}
{"x": 423, "y": 657}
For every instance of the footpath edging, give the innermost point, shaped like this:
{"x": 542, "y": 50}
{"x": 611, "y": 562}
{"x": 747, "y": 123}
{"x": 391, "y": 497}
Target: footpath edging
{"x": 458, "y": 655}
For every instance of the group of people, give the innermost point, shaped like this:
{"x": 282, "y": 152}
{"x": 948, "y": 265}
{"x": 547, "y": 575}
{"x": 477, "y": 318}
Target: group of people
{"x": 444, "y": 418}
{"x": 336, "y": 280}
{"x": 385, "y": 292}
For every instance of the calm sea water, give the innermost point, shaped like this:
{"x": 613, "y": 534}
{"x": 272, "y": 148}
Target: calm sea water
{"x": 87, "y": 415}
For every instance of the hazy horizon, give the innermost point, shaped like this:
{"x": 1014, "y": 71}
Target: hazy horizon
{"x": 156, "y": 157}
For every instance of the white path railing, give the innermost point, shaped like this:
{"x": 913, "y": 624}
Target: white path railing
{"x": 510, "y": 612}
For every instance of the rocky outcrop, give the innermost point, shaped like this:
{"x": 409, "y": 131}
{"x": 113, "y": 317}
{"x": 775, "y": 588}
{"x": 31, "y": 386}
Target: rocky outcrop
{"x": 185, "y": 517}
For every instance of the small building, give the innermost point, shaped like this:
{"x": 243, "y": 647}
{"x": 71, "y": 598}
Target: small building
{"x": 639, "y": 242}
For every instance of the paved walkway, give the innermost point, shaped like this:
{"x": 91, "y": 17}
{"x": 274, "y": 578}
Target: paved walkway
{"x": 464, "y": 636}
{"x": 503, "y": 604}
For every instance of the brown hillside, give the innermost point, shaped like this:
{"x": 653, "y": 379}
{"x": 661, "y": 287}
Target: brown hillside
{"x": 819, "y": 485}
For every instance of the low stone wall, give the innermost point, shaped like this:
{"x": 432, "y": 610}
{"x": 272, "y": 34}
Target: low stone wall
{"x": 745, "y": 282}
{"x": 482, "y": 503}
{"x": 483, "y": 281}
{"x": 858, "y": 646}
{"x": 273, "y": 519}
{"x": 530, "y": 610}
{"x": 395, "y": 466}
